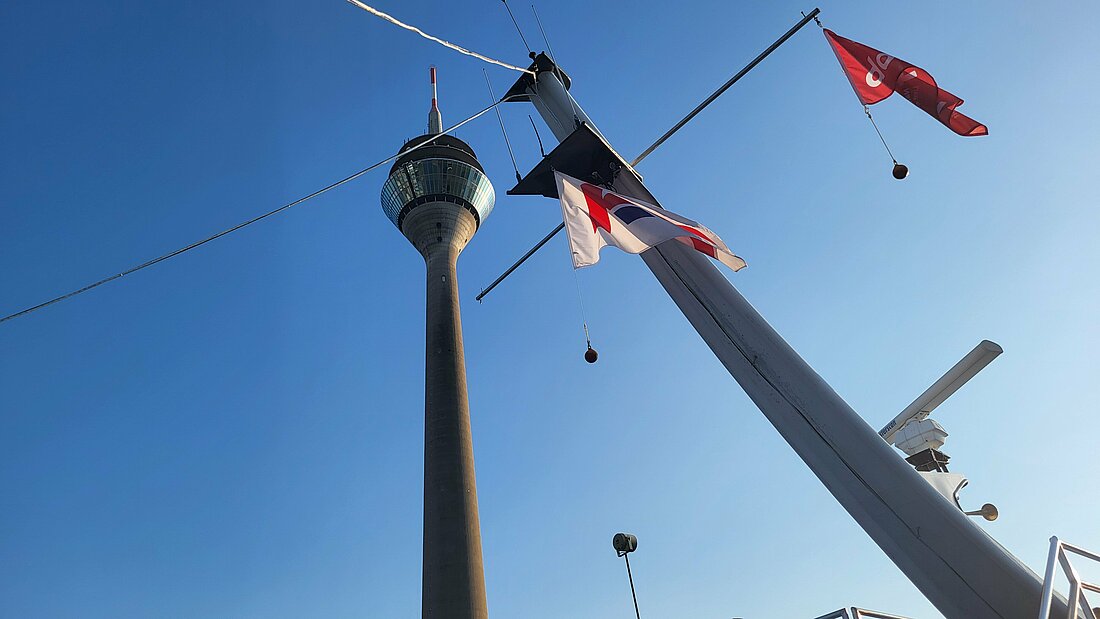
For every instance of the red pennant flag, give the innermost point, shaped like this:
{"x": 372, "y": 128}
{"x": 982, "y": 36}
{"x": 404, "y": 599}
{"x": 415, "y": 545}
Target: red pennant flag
{"x": 875, "y": 76}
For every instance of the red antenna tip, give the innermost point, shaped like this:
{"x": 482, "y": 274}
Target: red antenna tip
{"x": 435, "y": 105}
{"x": 435, "y": 119}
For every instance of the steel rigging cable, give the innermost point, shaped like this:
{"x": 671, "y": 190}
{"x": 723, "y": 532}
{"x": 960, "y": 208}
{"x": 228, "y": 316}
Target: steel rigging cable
{"x": 212, "y": 237}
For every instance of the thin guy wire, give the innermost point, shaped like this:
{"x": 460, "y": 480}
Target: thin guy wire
{"x": 500, "y": 119}
{"x": 458, "y": 48}
{"x": 538, "y": 137}
{"x": 535, "y": 87}
{"x": 580, "y": 297}
{"x": 867, "y": 111}
{"x": 580, "y": 302}
{"x": 546, "y": 40}
{"x": 523, "y": 38}
{"x": 554, "y": 57}
{"x": 206, "y": 240}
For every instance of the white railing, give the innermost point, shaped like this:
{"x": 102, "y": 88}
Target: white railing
{"x": 859, "y": 613}
{"x": 1077, "y": 587}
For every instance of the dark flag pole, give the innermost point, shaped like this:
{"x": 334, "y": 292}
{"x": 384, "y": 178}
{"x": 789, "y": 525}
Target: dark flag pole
{"x": 724, "y": 87}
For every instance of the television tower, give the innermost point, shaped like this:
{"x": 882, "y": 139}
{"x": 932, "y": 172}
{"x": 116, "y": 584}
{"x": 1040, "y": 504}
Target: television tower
{"x": 438, "y": 196}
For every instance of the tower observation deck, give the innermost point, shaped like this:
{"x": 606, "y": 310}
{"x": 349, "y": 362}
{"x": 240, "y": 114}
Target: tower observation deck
{"x": 438, "y": 196}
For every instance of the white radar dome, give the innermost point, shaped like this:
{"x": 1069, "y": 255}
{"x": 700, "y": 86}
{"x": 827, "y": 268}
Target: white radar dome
{"x": 918, "y": 435}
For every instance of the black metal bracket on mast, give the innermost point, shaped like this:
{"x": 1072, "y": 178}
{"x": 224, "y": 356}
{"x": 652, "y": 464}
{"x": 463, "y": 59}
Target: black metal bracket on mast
{"x": 539, "y": 64}
{"x": 584, "y": 154}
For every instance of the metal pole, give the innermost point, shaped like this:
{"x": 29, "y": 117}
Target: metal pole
{"x": 1048, "y": 579}
{"x": 538, "y": 246}
{"x": 733, "y": 80}
{"x": 637, "y": 613}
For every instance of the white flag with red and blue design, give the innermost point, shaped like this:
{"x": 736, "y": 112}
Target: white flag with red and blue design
{"x": 596, "y": 217}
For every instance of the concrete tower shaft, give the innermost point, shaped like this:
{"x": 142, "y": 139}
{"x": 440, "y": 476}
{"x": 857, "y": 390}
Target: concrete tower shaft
{"x": 454, "y": 580}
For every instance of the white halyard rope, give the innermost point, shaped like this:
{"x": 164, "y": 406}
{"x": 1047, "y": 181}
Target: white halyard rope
{"x": 457, "y": 48}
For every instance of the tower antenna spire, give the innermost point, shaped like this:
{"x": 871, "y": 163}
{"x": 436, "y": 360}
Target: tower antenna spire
{"x": 435, "y": 119}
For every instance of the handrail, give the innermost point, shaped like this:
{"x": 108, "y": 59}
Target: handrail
{"x": 859, "y": 613}
{"x": 1077, "y": 587}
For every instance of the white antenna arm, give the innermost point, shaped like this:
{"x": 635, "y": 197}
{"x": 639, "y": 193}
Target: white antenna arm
{"x": 949, "y": 383}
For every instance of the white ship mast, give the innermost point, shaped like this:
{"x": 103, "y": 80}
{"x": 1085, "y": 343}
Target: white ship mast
{"x": 956, "y": 565}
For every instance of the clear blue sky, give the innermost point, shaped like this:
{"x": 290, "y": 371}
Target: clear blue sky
{"x": 237, "y": 433}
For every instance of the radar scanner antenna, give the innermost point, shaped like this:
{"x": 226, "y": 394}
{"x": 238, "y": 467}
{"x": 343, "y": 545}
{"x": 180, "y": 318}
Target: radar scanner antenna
{"x": 435, "y": 119}
{"x": 948, "y": 384}
{"x": 922, "y": 438}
